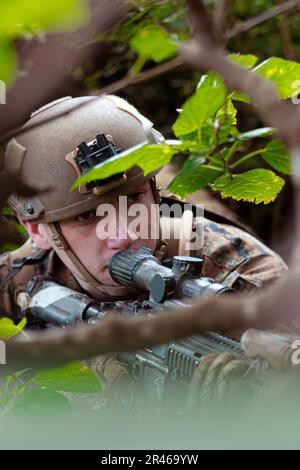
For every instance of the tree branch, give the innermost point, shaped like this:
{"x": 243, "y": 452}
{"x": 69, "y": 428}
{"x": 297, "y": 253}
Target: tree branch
{"x": 173, "y": 64}
{"x": 150, "y": 74}
{"x": 278, "y": 304}
{"x": 287, "y": 7}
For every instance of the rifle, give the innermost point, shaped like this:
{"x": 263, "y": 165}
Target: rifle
{"x": 159, "y": 369}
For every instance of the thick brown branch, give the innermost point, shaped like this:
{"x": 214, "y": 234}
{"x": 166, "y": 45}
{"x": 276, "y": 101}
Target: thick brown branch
{"x": 277, "y": 305}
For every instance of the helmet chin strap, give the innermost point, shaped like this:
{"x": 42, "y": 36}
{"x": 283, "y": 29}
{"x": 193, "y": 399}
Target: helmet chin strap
{"x": 85, "y": 279}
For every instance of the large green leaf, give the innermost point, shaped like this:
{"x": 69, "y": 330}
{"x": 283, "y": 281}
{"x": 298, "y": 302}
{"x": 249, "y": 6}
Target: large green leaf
{"x": 8, "y": 66}
{"x": 284, "y": 73}
{"x": 195, "y": 175}
{"x": 211, "y": 80}
{"x": 8, "y": 329}
{"x": 154, "y": 43}
{"x": 277, "y": 155}
{"x": 238, "y": 96}
{"x": 253, "y": 186}
{"x": 18, "y": 16}
{"x": 246, "y": 60}
{"x": 73, "y": 377}
{"x": 148, "y": 157}
{"x": 203, "y": 105}
{"x": 41, "y": 402}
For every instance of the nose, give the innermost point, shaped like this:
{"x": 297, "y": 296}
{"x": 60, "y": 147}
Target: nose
{"x": 122, "y": 239}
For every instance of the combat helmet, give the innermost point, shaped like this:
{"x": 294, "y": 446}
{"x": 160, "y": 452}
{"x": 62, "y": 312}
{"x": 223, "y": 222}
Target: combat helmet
{"x": 62, "y": 141}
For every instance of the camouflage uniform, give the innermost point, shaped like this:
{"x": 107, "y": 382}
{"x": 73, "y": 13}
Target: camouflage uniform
{"x": 231, "y": 256}
{"x": 58, "y": 144}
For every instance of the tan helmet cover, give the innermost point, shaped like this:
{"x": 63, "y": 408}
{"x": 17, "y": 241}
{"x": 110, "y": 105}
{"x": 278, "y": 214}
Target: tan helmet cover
{"x": 43, "y": 154}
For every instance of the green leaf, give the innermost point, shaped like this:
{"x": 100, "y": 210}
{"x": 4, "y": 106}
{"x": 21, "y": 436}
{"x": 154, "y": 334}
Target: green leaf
{"x": 227, "y": 113}
{"x": 9, "y": 246}
{"x": 8, "y": 329}
{"x": 6, "y": 210}
{"x": 278, "y": 157}
{"x": 262, "y": 132}
{"x": 41, "y": 402}
{"x": 22, "y": 230}
{"x": 203, "y": 105}
{"x": 226, "y": 121}
{"x": 148, "y": 157}
{"x": 73, "y": 377}
{"x": 23, "y": 15}
{"x": 211, "y": 80}
{"x": 194, "y": 175}
{"x": 154, "y": 43}
{"x": 238, "y": 96}
{"x": 285, "y": 74}
{"x": 8, "y": 64}
{"x": 246, "y": 60}
{"x": 253, "y": 186}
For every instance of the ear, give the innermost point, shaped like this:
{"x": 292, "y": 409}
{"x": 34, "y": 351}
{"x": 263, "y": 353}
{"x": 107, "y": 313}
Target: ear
{"x": 36, "y": 234}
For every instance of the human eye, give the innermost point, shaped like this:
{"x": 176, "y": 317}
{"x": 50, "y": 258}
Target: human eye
{"x": 136, "y": 197}
{"x": 86, "y": 216}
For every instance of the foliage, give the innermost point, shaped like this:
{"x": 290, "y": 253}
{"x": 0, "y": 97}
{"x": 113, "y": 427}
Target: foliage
{"x": 254, "y": 186}
{"x": 8, "y": 329}
{"x": 30, "y": 392}
{"x": 283, "y": 73}
{"x": 73, "y": 377}
{"x": 22, "y": 17}
{"x": 27, "y": 392}
{"x": 210, "y": 139}
{"x": 217, "y": 151}
{"x": 154, "y": 43}
{"x": 207, "y": 121}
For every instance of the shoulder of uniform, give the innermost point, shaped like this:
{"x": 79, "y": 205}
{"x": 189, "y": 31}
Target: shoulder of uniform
{"x": 230, "y": 246}
{"x": 216, "y": 235}
{"x": 214, "y": 217}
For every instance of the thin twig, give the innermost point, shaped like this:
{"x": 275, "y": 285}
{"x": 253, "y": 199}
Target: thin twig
{"x": 173, "y": 64}
{"x": 265, "y": 16}
{"x": 285, "y": 35}
{"x": 150, "y": 74}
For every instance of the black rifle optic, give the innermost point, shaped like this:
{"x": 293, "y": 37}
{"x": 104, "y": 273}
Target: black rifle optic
{"x": 143, "y": 271}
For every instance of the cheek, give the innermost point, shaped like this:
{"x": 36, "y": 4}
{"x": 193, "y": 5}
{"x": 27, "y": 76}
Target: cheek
{"x": 81, "y": 240}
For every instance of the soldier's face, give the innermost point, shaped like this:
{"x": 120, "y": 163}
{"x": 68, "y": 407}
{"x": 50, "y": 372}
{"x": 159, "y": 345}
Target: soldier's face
{"x": 97, "y": 235}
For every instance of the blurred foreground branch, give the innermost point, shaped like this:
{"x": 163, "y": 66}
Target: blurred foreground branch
{"x": 278, "y": 304}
